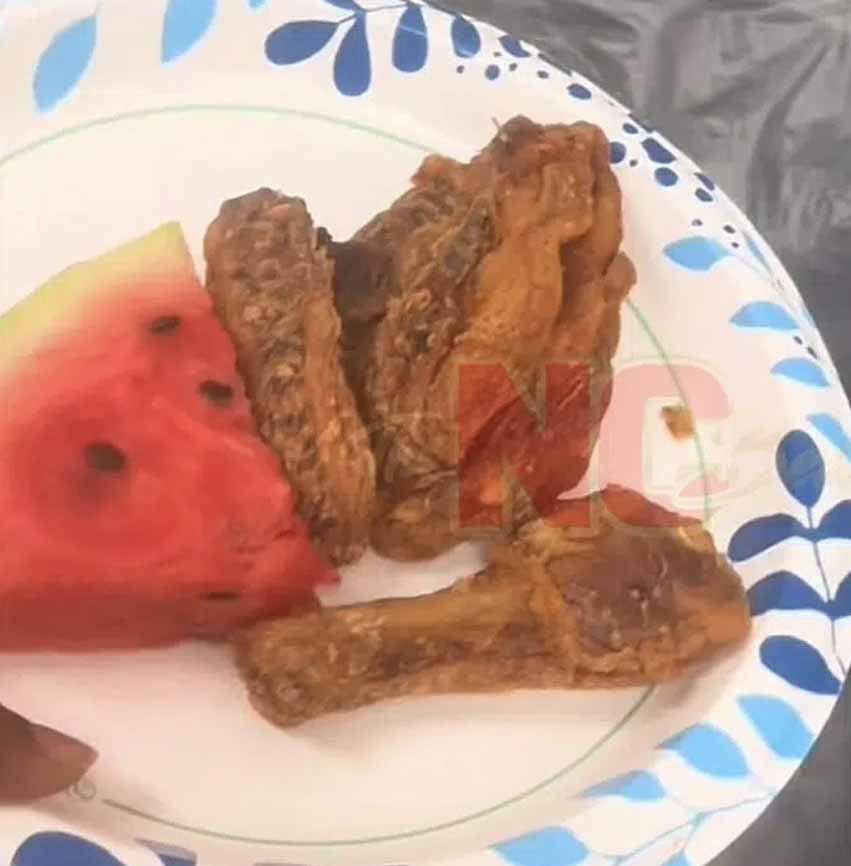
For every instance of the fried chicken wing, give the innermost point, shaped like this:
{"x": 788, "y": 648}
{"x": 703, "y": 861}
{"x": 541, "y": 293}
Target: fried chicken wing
{"x": 480, "y": 315}
{"x": 606, "y": 591}
{"x": 271, "y": 285}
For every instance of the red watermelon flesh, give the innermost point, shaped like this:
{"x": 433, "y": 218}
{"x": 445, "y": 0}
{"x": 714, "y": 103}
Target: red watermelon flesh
{"x": 139, "y": 506}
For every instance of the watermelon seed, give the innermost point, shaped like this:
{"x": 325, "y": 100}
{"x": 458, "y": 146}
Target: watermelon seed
{"x": 105, "y": 457}
{"x": 216, "y": 392}
{"x": 164, "y": 325}
{"x": 221, "y": 596}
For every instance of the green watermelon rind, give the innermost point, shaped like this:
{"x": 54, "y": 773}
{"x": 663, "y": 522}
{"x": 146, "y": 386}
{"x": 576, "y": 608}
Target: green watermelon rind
{"x": 69, "y": 296}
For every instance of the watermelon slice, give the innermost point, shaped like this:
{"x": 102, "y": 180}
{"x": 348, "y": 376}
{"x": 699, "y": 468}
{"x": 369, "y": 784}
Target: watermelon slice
{"x": 139, "y": 506}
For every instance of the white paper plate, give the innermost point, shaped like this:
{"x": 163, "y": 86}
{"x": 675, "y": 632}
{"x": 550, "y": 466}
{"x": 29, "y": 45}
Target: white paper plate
{"x": 119, "y": 115}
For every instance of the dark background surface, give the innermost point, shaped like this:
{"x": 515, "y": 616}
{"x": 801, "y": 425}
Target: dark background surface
{"x": 759, "y": 93}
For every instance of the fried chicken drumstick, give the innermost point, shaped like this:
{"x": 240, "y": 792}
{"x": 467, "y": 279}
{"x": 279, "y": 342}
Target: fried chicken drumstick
{"x": 607, "y": 591}
{"x": 488, "y": 288}
{"x": 271, "y": 285}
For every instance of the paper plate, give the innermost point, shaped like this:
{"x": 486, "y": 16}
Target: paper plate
{"x": 120, "y": 115}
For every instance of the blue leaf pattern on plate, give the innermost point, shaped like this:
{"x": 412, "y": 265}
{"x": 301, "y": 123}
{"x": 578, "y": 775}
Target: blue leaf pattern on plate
{"x": 836, "y": 523}
{"x": 257, "y": 4}
{"x": 783, "y": 590}
{"x": 709, "y": 750}
{"x": 801, "y": 467}
{"x": 841, "y": 607}
{"x": 410, "y": 43}
{"x": 298, "y": 40}
{"x": 779, "y": 725}
{"x": 765, "y": 314}
{"x": 801, "y": 370}
{"x": 578, "y": 91}
{"x": 696, "y": 253}
{"x": 61, "y": 849}
{"x": 513, "y": 46}
{"x": 186, "y": 22}
{"x": 657, "y": 151}
{"x": 348, "y": 5}
{"x": 64, "y": 63}
{"x": 465, "y": 37}
{"x": 352, "y": 65}
{"x": 678, "y": 860}
{"x": 763, "y": 533}
{"x": 833, "y": 431}
{"x": 553, "y": 846}
{"x": 799, "y": 663}
{"x": 169, "y": 860}
{"x": 170, "y": 855}
{"x": 639, "y": 785}
{"x": 617, "y": 152}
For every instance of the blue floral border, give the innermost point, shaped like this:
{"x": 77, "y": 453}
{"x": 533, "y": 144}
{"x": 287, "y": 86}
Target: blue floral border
{"x": 706, "y": 749}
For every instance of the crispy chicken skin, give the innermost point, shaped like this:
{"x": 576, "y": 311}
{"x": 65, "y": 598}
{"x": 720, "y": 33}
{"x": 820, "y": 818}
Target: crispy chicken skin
{"x": 271, "y": 285}
{"x": 480, "y": 316}
{"x": 606, "y": 591}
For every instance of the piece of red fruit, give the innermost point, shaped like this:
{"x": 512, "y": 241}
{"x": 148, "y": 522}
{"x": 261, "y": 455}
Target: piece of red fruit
{"x": 139, "y": 505}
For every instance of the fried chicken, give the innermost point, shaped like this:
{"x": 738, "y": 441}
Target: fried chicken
{"x": 480, "y": 316}
{"x": 606, "y": 591}
{"x": 271, "y": 285}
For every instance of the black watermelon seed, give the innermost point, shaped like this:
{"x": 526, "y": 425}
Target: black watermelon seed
{"x": 164, "y": 325}
{"x": 105, "y": 457}
{"x": 217, "y": 393}
{"x": 220, "y": 596}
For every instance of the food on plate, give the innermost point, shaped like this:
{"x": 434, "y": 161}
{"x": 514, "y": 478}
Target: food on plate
{"x": 271, "y": 285}
{"x": 470, "y": 329}
{"x": 679, "y": 421}
{"x": 480, "y": 315}
{"x": 606, "y": 591}
{"x": 139, "y": 505}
